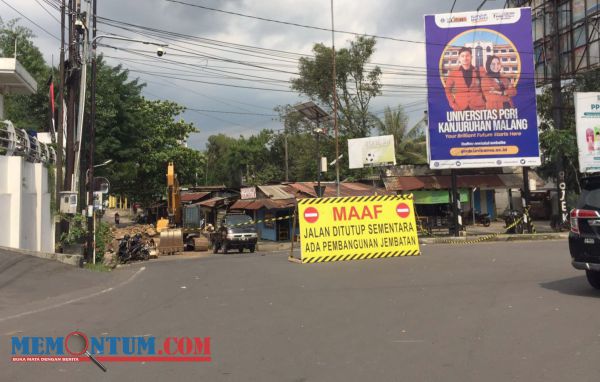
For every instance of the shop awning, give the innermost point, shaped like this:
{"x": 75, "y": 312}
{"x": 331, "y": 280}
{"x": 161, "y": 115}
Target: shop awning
{"x": 438, "y": 196}
{"x": 424, "y": 182}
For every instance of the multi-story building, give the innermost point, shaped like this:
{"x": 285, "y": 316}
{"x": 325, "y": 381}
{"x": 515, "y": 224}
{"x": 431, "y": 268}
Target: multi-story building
{"x": 579, "y": 35}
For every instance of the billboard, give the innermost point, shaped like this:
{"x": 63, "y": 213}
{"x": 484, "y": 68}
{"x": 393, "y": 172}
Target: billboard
{"x": 481, "y": 89}
{"x": 587, "y": 120}
{"x": 357, "y": 228}
{"x": 371, "y": 151}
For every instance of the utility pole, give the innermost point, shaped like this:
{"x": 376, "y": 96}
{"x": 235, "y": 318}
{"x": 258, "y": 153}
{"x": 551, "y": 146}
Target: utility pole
{"x": 91, "y": 244}
{"x": 287, "y": 179}
{"x": 61, "y": 107}
{"x": 335, "y": 120}
{"x": 72, "y": 77}
{"x": 561, "y": 186}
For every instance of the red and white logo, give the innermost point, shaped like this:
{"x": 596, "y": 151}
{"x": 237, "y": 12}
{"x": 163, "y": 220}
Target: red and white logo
{"x": 311, "y": 215}
{"x": 403, "y": 210}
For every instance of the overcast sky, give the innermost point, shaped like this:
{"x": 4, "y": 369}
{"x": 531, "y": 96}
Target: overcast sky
{"x": 182, "y": 74}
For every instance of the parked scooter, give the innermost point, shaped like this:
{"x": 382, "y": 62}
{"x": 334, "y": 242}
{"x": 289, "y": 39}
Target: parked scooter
{"x": 514, "y": 222}
{"x": 483, "y": 218}
{"x": 131, "y": 249}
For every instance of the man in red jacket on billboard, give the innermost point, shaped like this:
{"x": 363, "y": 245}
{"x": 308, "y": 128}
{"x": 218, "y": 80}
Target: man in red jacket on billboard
{"x": 463, "y": 85}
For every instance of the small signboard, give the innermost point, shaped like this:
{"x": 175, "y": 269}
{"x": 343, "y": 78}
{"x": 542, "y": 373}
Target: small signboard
{"x": 248, "y": 192}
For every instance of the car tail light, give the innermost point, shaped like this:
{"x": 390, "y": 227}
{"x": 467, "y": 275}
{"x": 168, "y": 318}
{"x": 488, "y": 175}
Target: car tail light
{"x": 581, "y": 214}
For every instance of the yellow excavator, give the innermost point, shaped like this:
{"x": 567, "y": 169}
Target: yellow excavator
{"x": 171, "y": 234}
{"x": 173, "y": 238}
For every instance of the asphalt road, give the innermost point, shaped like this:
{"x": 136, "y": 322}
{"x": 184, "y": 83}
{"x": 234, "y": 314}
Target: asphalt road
{"x": 486, "y": 312}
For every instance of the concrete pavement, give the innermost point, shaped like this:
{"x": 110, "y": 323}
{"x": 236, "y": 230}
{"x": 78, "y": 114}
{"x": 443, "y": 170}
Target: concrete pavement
{"x": 488, "y": 312}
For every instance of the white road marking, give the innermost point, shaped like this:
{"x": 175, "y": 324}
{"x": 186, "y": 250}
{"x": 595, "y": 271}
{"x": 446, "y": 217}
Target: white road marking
{"x": 53, "y": 306}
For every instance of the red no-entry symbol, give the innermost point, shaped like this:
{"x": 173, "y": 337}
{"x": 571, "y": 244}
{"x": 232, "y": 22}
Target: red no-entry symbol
{"x": 311, "y": 215}
{"x": 403, "y": 210}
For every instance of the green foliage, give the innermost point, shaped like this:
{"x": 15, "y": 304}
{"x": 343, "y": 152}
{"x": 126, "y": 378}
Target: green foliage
{"x": 410, "y": 143}
{"x": 77, "y": 230}
{"x": 103, "y": 239}
{"x": 141, "y": 137}
{"x": 252, "y": 158}
{"x": 355, "y": 84}
{"x": 26, "y": 112}
{"x": 98, "y": 267}
{"x": 556, "y": 144}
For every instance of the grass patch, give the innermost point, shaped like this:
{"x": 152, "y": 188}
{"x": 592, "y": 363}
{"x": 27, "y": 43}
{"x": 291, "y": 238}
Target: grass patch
{"x": 98, "y": 267}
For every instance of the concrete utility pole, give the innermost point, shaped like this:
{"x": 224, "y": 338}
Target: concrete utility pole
{"x": 557, "y": 114}
{"x": 61, "y": 106}
{"x": 335, "y": 120}
{"x": 72, "y": 82}
{"x": 91, "y": 244}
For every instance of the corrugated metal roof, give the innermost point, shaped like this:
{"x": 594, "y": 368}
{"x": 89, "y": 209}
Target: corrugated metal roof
{"x": 193, "y": 196}
{"x": 276, "y": 192}
{"x": 306, "y": 189}
{"x": 408, "y": 183}
{"x": 263, "y": 203}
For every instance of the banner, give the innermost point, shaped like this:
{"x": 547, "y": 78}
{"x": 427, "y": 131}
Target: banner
{"x": 356, "y": 228}
{"x": 587, "y": 120}
{"x": 481, "y": 89}
{"x": 371, "y": 152}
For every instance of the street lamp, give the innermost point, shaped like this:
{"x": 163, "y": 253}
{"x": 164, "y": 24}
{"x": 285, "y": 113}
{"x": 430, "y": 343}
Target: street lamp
{"x": 313, "y": 112}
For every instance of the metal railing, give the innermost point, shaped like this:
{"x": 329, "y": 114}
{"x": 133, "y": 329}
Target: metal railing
{"x": 16, "y": 142}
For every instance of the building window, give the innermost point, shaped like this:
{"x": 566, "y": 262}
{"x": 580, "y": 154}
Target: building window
{"x": 564, "y": 15}
{"x": 578, "y": 10}
{"x": 579, "y": 36}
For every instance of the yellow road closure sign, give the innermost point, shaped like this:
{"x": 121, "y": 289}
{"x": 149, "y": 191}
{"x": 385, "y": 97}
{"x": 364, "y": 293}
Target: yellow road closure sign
{"x": 354, "y": 228}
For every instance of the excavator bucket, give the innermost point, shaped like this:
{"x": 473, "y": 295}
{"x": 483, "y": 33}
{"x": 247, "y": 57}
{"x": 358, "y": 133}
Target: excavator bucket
{"x": 171, "y": 241}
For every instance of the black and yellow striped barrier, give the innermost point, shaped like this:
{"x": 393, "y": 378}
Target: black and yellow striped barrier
{"x": 360, "y": 256}
{"x": 353, "y": 199}
{"x": 253, "y": 222}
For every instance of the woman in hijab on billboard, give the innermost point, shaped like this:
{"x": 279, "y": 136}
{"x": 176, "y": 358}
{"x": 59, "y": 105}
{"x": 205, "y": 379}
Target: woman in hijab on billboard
{"x": 497, "y": 89}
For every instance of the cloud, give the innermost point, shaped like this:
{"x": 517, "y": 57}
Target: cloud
{"x": 401, "y": 20}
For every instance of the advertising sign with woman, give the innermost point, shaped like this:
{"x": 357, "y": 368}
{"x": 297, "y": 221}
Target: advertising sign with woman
{"x": 481, "y": 89}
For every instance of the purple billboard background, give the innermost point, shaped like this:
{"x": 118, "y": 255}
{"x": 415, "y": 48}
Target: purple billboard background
{"x": 450, "y": 147}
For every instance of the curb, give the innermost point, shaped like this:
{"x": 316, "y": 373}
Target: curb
{"x": 74, "y": 260}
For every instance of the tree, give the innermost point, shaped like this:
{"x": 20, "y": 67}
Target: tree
{"x": 141, "y": 137}
{"x": 356, "y": 84}
{"x": 563, "y": 143}
{"x": 410, "y": 143}
{"x": 29, "y": 112}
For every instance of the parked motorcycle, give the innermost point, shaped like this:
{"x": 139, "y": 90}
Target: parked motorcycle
{"x": 514, "y": 222}
{"x": 131, "y": 249}
{"x": 483, "y": 218}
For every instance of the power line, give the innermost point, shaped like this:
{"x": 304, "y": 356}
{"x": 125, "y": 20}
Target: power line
{"x": 47, "y": 11}
{"x": 31, "y": 21}
{"x": 292, "y": 24}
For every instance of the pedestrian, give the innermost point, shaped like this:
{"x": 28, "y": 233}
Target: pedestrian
{"x": 117, "y": 218}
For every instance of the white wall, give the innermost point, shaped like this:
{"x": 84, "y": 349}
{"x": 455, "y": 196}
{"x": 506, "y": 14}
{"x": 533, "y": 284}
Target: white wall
{"x": 25, "y": 220}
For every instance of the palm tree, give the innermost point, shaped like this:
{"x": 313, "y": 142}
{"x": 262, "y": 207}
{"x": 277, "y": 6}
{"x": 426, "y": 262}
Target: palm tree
{"x": 410, "y": 143}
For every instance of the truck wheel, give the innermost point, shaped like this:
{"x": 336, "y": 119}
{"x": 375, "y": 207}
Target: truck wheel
{"x": 252, "y": 248}
{"x": 241, "y": 249}
{"x": 593, "y": 278}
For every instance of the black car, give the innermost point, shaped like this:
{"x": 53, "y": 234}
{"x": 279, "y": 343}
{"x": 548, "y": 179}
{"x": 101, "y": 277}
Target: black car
{"x": 584, "y": 238}
{"x": 236, "y": 231}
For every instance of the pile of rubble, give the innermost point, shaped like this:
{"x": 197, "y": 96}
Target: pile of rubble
{"x": 146, "y": 230}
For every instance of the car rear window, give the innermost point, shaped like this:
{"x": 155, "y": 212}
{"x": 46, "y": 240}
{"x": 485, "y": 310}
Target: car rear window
{"x": 590, "y": 198}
